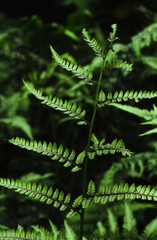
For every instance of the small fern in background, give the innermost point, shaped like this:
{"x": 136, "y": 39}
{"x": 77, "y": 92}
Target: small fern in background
{"x": 91, "y": 192}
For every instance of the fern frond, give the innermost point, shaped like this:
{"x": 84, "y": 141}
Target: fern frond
{"x": 100, "y": 148}
{"x": 110, "y": 193}
{"x": 119, "y": 64}
{"x": 51, "y": 150}
{"x": 150, "y": 231}
{"x": 93, "y": 43}
{"x": 121, "y": 96}
{"x": 39, "y": 192}
{"x": 129, "y": 224}
{"x": 144, "y": 38}
{"x": 112, "y": 35}
{"x": 21, "y": 234}
{"x": 79, "y": 71}
{"x": 65, "y": 106}
{"x": 113, "y": 224}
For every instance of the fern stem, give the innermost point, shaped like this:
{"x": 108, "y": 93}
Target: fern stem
{"x": 88, "y": 144}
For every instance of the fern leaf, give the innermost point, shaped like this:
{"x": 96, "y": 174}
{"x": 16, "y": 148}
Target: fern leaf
{"x": 69, "y": 233}
{"x": 100, "y": 148}
{"x": 39, "y": 192}
{"x": 120, "y": 96}
{"x": 119, "y": 64}
{"x": 129, "y": 225}
{"x": 113, "y": 225}
{"x": 51, "y": 150}
{"x": 79, "y": 71}
{"x": 93, "y": 43}
{"x": 112, "y": 36}
{"x": 21, "y": 234}
{"x": 110, "y": 193}
{"x": 150, "y": 231}
{"x": 65, "y": 106}
{"x": 144, "y": 38}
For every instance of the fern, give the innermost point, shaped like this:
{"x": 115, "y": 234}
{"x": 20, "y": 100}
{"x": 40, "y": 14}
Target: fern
{"x": 93, "y": 43}
{"x": 150, "y": 231}
{"x": 25, "y": 235}
{"x": 119, "y": 64}
{"x": 113, "y": 225}
{"x": 100, "y": 148}
{"x": 66, "y": 107}
{"x": 51, "y": 150}
{"x": 129, "y": 225}
{"x": 38, "y": 192}
{"x": 123, "y": 191}
{"x": 144, "y": 38}
{"x": 120, "y": 96}
{"x": 79, "y": 71}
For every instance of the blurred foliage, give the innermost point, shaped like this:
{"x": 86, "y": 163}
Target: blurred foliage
{"x": 24, "y": 51}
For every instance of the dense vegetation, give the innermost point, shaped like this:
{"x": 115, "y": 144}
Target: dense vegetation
{"x": 25, "y": 53}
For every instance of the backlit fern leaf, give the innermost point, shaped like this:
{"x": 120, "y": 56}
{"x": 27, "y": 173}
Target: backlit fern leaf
{"x": 39, "y": 192}
{"x": 110, "y": 193}
{"x": 51, "y": 150}
{"x": 93, "y": 43}
{"x": 121, "y": 96}
{"x": 79, "y": 71}
{"x": 100, "y": 148}
{"x": 65, "y": 106}
{"x": 25, "y": 235}
{"x": 119, "y": 64}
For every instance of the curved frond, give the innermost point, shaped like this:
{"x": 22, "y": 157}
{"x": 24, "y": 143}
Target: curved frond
{"x": 121, "y": 96}
{"x": 38, "y": 192}
{"x": 110, "y": 193}
{"x": 65, "y": 106}
{"x": 79, "y": 71}
{"x": 144, "y": 38}
{"x": 112, "y": 36}
{"x": 100, "y": 148}
{"x": 51, "y": 150}
{"x": 93, "y": 43}
{"x": 113, "y": 224}
{"x": 119, "y": 64}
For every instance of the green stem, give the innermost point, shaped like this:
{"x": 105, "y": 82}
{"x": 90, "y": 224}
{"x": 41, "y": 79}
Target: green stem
{"x": 88, "y": 144}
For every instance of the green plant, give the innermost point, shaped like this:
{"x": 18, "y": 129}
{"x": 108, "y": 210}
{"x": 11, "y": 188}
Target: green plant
{"x": 107, "y": 193}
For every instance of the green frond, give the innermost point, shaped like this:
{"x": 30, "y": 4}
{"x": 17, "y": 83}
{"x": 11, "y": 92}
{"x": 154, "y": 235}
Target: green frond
{"x": 51, "y": 150}
{"x": 25, "y": 235}
{"x": 93, "y": 43}
{"x": 91, "y": 188}
{"x": 110, "y": 193}
{"x": 150, "y": 231}
{"x": 71, "y": 109}
{"x": 112, "y": 36}
{"x": 149, "y": 116}
{"x": 113, "y": 224}
{"x": 119, "y": 64}
{"x": 79, "y": 71}
{"x": 99, "y": 148}
{"x": 38, "y": 192}
{"x": 144, "y": 38}
{"x": 129, "y": 224}
{"x": 121, "y": 96}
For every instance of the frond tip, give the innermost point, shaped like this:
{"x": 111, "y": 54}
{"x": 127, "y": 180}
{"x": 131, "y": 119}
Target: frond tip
{"x": 99, "y": 148}
{"x": 79, "y": 71}
{"x": 51, "y": 150}
{"x": 121, "y": 96}
{"x": 119, "y": 64}
{"x": 93, "y": 43}
{"x": 65, "y": 106}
